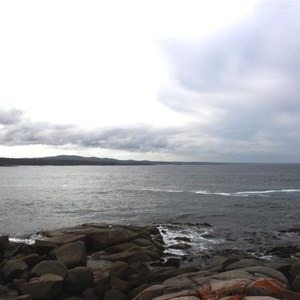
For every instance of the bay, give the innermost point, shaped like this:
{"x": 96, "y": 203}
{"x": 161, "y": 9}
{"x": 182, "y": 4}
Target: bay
{"x": 245, "y": 204}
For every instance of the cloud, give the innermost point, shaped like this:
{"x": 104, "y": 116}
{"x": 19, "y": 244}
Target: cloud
{"x": 241, "y": 86}
{"x": 10, "y": 116}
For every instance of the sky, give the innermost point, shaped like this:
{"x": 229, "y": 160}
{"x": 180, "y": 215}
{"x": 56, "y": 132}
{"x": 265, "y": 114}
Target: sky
{"x": 161, "y": 80}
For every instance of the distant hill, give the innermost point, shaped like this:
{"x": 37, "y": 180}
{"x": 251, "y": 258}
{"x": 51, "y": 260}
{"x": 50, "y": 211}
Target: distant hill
{"x": 74, "y": 160}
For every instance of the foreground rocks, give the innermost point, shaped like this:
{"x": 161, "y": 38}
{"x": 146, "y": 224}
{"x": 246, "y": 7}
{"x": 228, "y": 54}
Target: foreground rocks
{"x": 98, "y": 261}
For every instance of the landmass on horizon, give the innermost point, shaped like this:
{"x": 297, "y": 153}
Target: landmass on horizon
{"x": 75, "y": 160}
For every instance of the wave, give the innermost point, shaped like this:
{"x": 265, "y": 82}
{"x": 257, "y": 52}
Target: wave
{"x": 229, "y": 194}
{"x": 248, "y": 193}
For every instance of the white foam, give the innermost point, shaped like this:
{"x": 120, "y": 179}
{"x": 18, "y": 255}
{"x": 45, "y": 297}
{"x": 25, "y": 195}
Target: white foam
{"x": 28, "y": 240}
{"x": 197, "y": 236}
{"x": 247, "y": 193}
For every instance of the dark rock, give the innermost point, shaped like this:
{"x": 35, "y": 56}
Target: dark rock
{"x": 134, "y": 292}
{"x": 130, "y": 257}
{"x": 101, "y": 290}
{"x": 295, "y": 286}
{"x": 180, "y": 246}
{"x": 119, "y": 284}
{"x": 162, "y": 274}
{"x": 13, "y": 249}
{"x": 72, "y": 255}
{"x": 182, "y": 238}
{"x": 18, "y": 283}
{"x": 43, "y": 246}
{"x": 49, "y": 266}
{"x": 13, "y": 269}
{"x": 114, "y": 294}
{"x": 23, "y": 297}
{"x": 172, "y": 262}
{"x": 48, "y": 286}
{"x": 294, "y": 270}
{"x": 283, "y": 251}
{"x": 4, "y": 244}
{"x": 31, "y": 260}
{"x": 79, "y": 279}
{"x": 67, "y": 238}
{"x": 243, "y": 263}
{"x": 89, "y": 294}
{"x": 291, "y": 230}
{"x": 106, "y": 237}
{"x": 121, "y": 270}
{"x": 28, "y": 249}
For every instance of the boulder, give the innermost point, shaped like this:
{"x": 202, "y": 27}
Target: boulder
{"x": 13, "y": 269}
{"x": 31, "y": 260}
{"x": 180, "y": 246}
{"x": 130, "y": 257}
{"x": 89, "y": 294}
{"x": 121, "y": 270}
{"x": 114, "y": 294}
{"x": 23, "y": 297}
{"x": 4, "y": 243}
{"x": 72, "y": 255}
{"x": 79, "y": 279}
{"x": 243, "y": 263}
{"x": 43, "y": 246}
{"x": 13, "y": 249}
{"x": 121, "y": 285}
{"x": 67, "y": 238}
{"x": 295, "y": 286}
{"x": 294, "y": 270}
{"x": 106, "y": 237}
{"x": 46, "y": 287}
{"x": 49, "y": 266}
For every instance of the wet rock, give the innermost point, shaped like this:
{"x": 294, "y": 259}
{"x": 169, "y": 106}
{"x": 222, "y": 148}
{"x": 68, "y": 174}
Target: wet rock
{"x": 46, "y": 287}
{"x": 172, "y": 262}
{"x": 182, "y": 238}
{"x": 72, "y": 254}
{"x": 49, "y": 266}
{"x": 13, "y": 269}
{"x": 79, "y": 279}
{"x": 283, "y": 251}
{"x": 180, "y": 246}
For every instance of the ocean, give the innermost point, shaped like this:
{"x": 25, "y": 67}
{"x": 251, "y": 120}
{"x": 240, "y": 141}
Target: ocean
{"x": 218, "y": 206}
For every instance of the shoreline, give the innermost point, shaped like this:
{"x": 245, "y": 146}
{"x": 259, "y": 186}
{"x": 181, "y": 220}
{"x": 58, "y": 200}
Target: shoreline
{"x": 101, "y": 261}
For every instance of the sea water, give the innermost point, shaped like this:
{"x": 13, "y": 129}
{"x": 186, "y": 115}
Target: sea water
{"x": 240, "y": 206}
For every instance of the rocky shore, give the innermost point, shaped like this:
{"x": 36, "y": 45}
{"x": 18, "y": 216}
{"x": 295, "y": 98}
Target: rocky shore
{"x": 99, "y": 261}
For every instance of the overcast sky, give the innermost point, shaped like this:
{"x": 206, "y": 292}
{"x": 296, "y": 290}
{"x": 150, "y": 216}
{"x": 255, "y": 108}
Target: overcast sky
{"x": 161, "y": 80}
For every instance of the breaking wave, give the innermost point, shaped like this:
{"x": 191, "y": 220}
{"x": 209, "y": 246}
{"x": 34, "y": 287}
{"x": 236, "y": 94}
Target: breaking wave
{"x": 229, "y": 194}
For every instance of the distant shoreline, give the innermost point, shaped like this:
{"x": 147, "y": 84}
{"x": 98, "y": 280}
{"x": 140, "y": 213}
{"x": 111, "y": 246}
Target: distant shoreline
{"x": 64, "y": 160}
